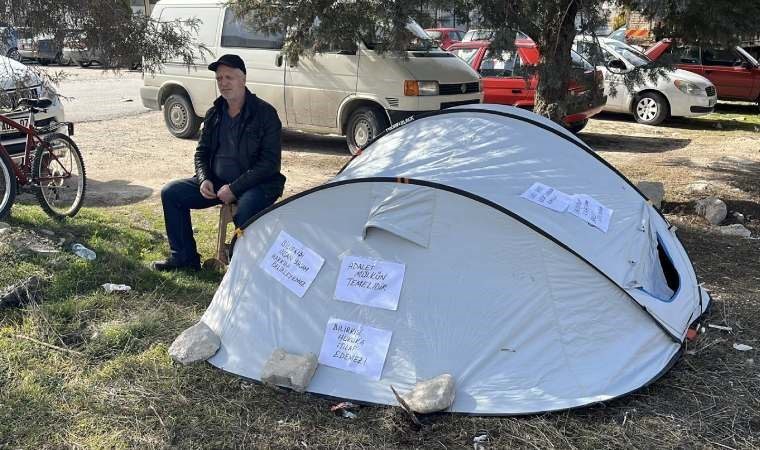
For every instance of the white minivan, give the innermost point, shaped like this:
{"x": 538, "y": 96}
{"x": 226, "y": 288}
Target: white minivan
{"x": 351, "y": 90}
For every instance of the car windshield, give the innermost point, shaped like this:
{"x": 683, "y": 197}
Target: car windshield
{"x": 434, "y": 34}
{"x": 420, "y": 40}
{"x": 466, "y": 54}
{"x": 628, "y": 53}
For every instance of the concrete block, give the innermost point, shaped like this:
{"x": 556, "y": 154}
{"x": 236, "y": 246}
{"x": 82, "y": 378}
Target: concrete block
{"x": 735, "y": 230}
{"x": 197, "y": 343}
{"x": 435, "y": 394}
{"x": 289, "y": 370}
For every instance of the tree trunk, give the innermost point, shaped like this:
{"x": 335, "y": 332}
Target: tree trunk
{"x": 554, "y": 68}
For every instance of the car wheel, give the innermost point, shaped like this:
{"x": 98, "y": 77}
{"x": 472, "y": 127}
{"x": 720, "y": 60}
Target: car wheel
{"x": 651, "y": 109}
{"x": 14, "y": 54}
{"x": 363, "y": 127}
{"x": 58, "y": 60}
{"x": 576, "y": 127}
{"x": 179, "y": 117}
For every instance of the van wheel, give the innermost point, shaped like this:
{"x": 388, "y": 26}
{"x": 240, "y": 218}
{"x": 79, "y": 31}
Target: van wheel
{"x": 363, "y": 127}
{"x": 179, "y": 117}
{"x": 651, "y": 109}
{"x": 14, "y": 54}
{"x": 576, "y": 127}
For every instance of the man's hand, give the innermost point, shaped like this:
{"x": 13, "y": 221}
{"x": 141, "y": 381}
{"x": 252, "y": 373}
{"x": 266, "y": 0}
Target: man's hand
{"x": 225, "y": 194}
{"x": 207, "y": 190}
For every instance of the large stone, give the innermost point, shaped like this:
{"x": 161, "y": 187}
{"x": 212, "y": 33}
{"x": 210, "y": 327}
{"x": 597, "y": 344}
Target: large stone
{"x": 435, "y": 394}
{"x": 289, "y": 370}
{"x": 654, "y": 191}
{"x": 197, "y": 343}
{"x": 735, "y": 230}
{"x": 713, "y": 209}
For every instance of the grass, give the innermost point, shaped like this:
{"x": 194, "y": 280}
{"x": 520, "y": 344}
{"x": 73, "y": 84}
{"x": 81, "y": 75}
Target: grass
{"x": 117, "y": 387}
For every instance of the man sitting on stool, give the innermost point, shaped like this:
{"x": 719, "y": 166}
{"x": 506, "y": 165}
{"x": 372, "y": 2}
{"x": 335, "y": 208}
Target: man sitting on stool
{"x": 237, "y": 161}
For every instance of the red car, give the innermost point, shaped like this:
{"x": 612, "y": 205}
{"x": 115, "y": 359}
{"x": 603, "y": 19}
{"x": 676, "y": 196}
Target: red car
{"x": 504, "y": 81}
{"x": 445, "y": 36}
{"x": 734, "y": 72}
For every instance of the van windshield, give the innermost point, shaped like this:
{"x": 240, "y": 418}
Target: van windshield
{"x": 420, "y": 40}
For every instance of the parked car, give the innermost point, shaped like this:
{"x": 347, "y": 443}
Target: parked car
{"x": 41, "y": 48}
{"x": 444, "y": 36}
{"x": 733, "y": 71}
{"x": 680, "y": 93}
{"x": 9, "y": 41}
{"x": 506, "y": 81}
{"x": 486, "y": 35}
{"x": 350, "y": 90}
{"x": 17, "y": 81}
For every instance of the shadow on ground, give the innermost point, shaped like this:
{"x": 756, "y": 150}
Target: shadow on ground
{"x": 740, "y": 173}
{"x": 632, "y": 144}
{"x": 298, "y": 141}
{"x": 114, "y": 193}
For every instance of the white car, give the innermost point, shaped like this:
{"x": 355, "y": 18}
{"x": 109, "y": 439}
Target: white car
{"x": 18, "y": 81}
{"x": 679, "y": 93}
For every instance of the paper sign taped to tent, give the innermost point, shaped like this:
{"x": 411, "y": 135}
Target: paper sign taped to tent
{"x": 547, "y": 197}
{"x": 355, "y": 347}
{"x": 370, "y": 282}
{"x": 593, "y": 212}
{"x": 292, "y": 263}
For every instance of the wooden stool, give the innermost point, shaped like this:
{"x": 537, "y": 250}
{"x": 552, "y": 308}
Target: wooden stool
{"x": 225, "y": 218}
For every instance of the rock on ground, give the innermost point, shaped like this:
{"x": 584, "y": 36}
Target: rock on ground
{"x": 435, "y": 394}
{"x": 289, "y": 370}
{"x": 197, "y": 343}
{"x": 23, "y": 293}
{"x": 654, "y": 190}
{"x": 735, "y": 230}
{"x": 713, "y": 209}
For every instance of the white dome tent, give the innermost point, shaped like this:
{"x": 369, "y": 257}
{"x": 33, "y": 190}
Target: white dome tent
{"x": 529, "y": 308}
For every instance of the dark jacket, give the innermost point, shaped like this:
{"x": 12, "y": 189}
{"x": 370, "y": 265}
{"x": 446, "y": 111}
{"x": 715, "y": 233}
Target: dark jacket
{"x": 259, "y": 146}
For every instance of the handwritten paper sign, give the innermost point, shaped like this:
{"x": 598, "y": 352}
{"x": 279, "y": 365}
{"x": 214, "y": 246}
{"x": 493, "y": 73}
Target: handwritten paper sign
{"x": 548, "y": 197}
{"x": 593, "y": 212}
{"x": 292, "y": 263}
{"x": 355, "y": 347}
{"x": 370, "y": 282}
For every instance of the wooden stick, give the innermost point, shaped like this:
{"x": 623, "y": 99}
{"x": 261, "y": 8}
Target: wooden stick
{"x": 45, "y": 344}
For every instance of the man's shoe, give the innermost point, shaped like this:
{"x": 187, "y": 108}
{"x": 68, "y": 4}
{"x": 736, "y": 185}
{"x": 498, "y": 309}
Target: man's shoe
{"x": 170, "y": 264}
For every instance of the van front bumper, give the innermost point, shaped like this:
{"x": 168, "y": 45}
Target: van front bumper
{"x": 149, "y": 97}
{"x": 399, "y": 115}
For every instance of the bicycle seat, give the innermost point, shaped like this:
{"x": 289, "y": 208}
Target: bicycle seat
{"x": 35, "y": 102}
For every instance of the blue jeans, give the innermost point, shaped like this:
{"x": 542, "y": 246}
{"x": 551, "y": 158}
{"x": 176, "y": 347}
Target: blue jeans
{"x": 178, "y": 197}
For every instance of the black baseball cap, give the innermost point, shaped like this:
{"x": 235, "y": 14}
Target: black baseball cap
{"x": 233, "y": 61}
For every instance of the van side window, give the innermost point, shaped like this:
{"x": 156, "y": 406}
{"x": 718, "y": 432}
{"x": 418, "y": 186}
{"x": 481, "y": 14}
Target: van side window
{"x": 237, "y": 32}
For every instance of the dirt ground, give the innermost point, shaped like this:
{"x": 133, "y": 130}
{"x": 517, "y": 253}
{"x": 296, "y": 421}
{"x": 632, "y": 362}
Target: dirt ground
{"x": 128, "y": 160}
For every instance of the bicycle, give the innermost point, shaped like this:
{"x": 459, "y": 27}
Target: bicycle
{"x": 54, "y": 171}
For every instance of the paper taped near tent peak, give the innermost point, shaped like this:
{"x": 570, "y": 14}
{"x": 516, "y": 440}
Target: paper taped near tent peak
{"x": 528, "y": 309}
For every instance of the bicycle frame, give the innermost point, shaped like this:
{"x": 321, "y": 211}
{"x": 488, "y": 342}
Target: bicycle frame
{"x": 23, "y": 172}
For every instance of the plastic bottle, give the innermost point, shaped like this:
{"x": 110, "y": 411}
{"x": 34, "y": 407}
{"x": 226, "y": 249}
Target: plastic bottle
{"x": 83, "y": 252}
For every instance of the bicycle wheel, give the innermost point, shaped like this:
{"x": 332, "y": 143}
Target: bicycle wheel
{"x": 7, "y": 185}
{"x": 60, "y": 195}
